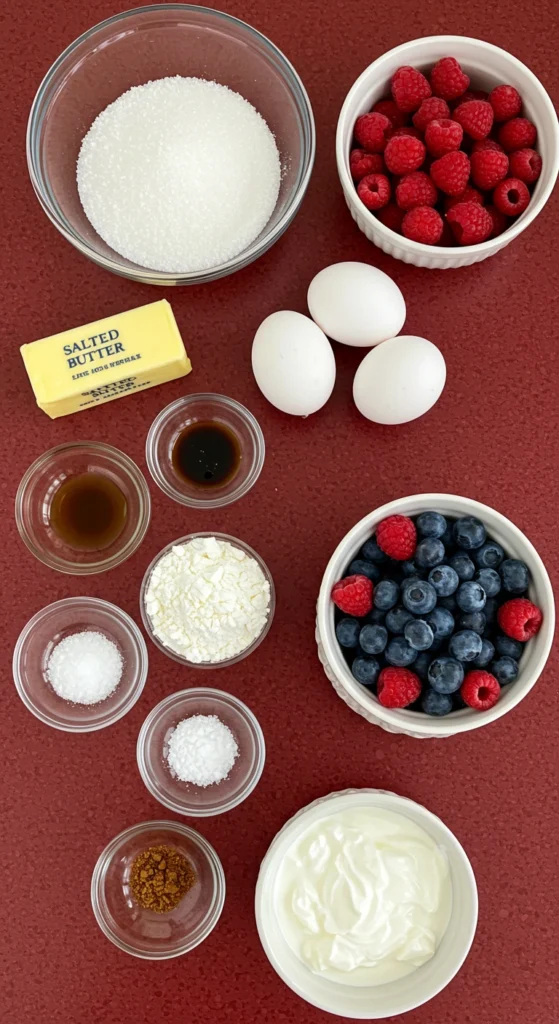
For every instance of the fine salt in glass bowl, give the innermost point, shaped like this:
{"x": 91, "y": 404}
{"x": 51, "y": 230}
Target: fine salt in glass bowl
{"x": 185, "y": 797}
{"x": 39, "y": 485}
{"x": 39, "y": 638}
{"x": 131, "y": 49}
{"x": 207, "y": 664}
{"x": 218, "y": 409}
{"x": 144, "y": 933}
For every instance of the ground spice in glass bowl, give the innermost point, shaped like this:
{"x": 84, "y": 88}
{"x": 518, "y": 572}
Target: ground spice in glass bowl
{"x": 160, "y": 877}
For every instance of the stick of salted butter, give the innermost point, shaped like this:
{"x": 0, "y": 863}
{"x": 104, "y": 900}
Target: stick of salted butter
{"x": 107, "y": 359}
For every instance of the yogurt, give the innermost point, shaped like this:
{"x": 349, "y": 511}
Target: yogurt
{"x": 363, "y": 897}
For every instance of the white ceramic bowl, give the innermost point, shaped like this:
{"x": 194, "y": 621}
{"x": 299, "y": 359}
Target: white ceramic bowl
{"x": 376, "y": 1001}
{"x": 487, "y": 66}
{"x": 412, "y": 723}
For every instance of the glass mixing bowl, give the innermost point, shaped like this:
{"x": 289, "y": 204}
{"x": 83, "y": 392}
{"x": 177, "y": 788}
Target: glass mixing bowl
{"x": 155, "y": 42}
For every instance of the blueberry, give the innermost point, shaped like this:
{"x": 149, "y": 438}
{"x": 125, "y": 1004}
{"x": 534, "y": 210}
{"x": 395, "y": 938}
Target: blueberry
{"x": 421, "y": 664}
{"x": 465, "y": 645}
{"x": 504, "y": 669}
{"x": 486, "y": 654}
{"x": 441, "y": 622}
{"x": 444, "y": 579}
{"x": 449, "y": 603}
{"x": 399, "y": 652}
{"x": 359, "y": 567}
{"x": 462, "y": 565}
{"x": 429, "y": 552}
{"x": 489, "y": 555}
{"x": 510, "y": 648}
{"x": 397, "y": 619}
{"x": 376, "y": 616}
{"x": 471, "y": 596}
{"x": 469, "y": 533}
{"x": 347, "y": 632}
{"x": 419, "y": 635}
{"x": 409, "y": 568}
{"x": 371, "y": 551}
{"x": 386, "y": 594}
{"x": 434, "y": 703}
{"x": 515, "y": 575}
{"x": 431, "y": 524}
{"x": 373, "y": 639}
{"x": 448, "y": 537}
{"x": 490, "y": 610}
{"x": 490, "y": 581}
{"x": 446, "y": 675}
{"x": 473, "y": 620}
{"x": 419, "y": 597}
{"x": 365, "y": 670}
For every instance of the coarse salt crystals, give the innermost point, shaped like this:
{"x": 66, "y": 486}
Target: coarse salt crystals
{"x": 202, "y": 750}
{"x": 85, "y": 668}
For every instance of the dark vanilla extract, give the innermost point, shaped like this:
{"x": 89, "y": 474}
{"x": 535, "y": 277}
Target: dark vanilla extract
{"x": 206, "y": 454}
{"x": 88, "y": 512}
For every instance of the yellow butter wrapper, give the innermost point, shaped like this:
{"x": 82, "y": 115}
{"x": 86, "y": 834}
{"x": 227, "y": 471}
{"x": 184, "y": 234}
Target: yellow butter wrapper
{"x": 107, "y": 359}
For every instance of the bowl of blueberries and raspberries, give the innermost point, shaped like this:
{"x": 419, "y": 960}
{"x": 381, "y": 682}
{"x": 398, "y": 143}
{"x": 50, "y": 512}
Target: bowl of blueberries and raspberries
{"x": 435, "y": 616}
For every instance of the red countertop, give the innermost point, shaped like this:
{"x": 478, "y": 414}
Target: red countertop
{"x": 492, "y": 436}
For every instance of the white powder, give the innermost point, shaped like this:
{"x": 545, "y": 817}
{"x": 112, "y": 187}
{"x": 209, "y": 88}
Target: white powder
{"x": 202, "y": 750}
{"x": 179, "y": 174}
{"x": 207, "y": 600}
{"x": 85, "y": 668}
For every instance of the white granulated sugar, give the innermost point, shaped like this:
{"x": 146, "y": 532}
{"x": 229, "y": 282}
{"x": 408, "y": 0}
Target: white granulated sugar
{"x": 85, "y": 668}
{"x": 179, "y": 174}
{"x": 207, "y": 600}
{"x": 202, "y": 750}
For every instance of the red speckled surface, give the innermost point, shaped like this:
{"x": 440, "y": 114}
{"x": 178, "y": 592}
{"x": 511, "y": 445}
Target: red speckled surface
{"x": 492, "y": 436}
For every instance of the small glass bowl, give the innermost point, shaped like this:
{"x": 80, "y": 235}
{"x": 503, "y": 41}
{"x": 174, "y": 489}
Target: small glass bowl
{"x": 143, "y": 933}
{"x": 219, "y": 409}
{"x": 184, "y": 797}
{"x": 39, "y": 485}
{"x": 207, "y": 664}
{"x": 41, "y": 635}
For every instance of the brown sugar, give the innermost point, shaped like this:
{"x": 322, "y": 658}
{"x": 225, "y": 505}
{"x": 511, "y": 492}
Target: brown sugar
{"x": 160, "y": 877}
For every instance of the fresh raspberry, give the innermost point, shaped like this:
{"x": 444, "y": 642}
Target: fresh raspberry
{"x": 519, "y": 618}
{"x": 404, "y": 154}
{"x": 423, "y": 224}
{"x": 480, "y": 690}
{"x": 397, "y": 687}
{"x": 526, "y": 164}
{"x": 397, "y": 537}
{"x": 409, "y": 89}
{"x": 476, "y": 118}
{"x": 473, "y": 94}
{"x": 406, "y": 130}
{"x": 481, "y": 145}
{"x": 353, "y": 595}
{"x": 374, "y": 191}
{"x": 500, "y": 222}
{"x": 448, "y": 80}
{"x": 391, "y": 216}
{"x": 431, "y": 109}
{"x": 443, "y": 136}
{"x": 390, "y": 110}
{"x": 469, "y": 195}
{"x": 511, "y": 197}
{"x": 362, "y": 163}
{"x": 470, "y": 223}
{"x": 517, "y": 134}
{"x": 416, "y": 189}
{"x": 489, "y": 168}
{"x": 506, "y": 102}
{"x": 451, "y": 173}
{"x": 370, "y": 132}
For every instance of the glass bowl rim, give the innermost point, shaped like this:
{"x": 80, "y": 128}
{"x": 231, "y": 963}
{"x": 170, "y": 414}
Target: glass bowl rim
{"x": 102, "y": 864}
{"x": 220, "y": 697}
{"x": 125, "y": 620}
{"x": 161, "y": 420}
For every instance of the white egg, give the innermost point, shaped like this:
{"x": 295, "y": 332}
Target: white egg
{"x": 293, "y": 363}
{"x": 400, "y": 380}
{"x": 356, "y": 304}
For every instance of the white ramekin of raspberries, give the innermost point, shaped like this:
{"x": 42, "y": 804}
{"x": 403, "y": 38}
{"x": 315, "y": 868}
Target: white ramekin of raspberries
{"x": 447, "y": 148}
{"x": 453, "y": 647}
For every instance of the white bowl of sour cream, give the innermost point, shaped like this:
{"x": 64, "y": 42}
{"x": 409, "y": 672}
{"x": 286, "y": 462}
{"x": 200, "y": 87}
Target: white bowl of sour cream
{"x": 366, "y": 904}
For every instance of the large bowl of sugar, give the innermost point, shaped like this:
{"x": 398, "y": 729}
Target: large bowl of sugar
{"x": 171, "y": 144}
